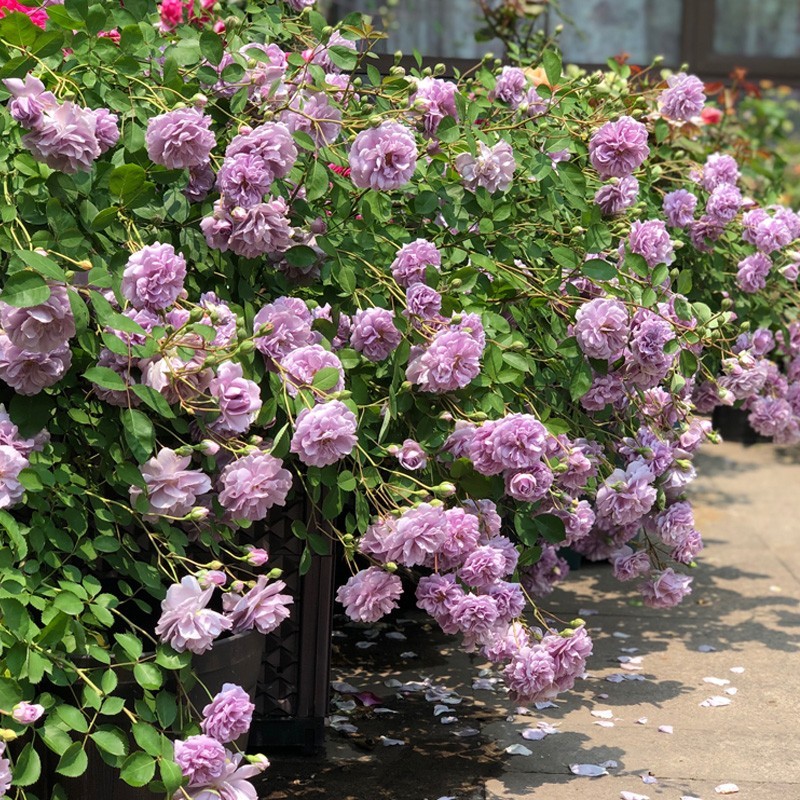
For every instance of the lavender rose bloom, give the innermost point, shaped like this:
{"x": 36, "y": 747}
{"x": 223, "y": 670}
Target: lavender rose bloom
{"x": 719, "y": 168}
{"x": 410, "y": 455}
{"x": 272, "y": 143}
{"x": 26, "y": 713}
{"x": 619, "y": 148}
{"x": 180, "y": 138}
{"x": 325, "y": 433}
{"x": 153, "y": 277}
{"x": 626, "y": 496}
{"x": 253, "y": 484}
{"x": 200, "y": 183}
{"x": 201, "y": 759}
{"x": 299, "y": 367}
{"x": 510, "y": 86}
{"x": 383, "y": 158}
{"x": 263, "y": 608}
{"x": 106, "y": 129}
{"x": 42, "y": 328}
{"x": 313, "y": 114}
{"x": 434, "y": 99}
{"x": 516, "y": 442}
{"x": 370, "y": 594}
{"x": 239, "y": 399}
{"x": 679, "y": 208}
{"x": 65, "y": 138}
{"x": 185, "y": 622}
{"x": 229, "y": 714}
{"x": 602, "y": 327}
{"x": 450, "y": 362}
{"x": 28, "y": 373}
{"x": 172, "y": 490}
{"x": 650, "y": 240}
{"x": 290, "y": 327}
{"x": 724, "y": 203}
{"x": 243, "y": 180}
{"x": 423, "y": 302}
{"x": 684, "y": 98}
{"x": 752, "y": 272}
{"x": 529, "y": 485}
{"x": 374, "y": 334}
{"x": 260, "y": 229}
{"x": 615, "y": 197}
{"x": 492, "y": 168}
{"x": 412, "y": 261}
{"x": 530, "y": 674}
{"x": 666, "y": 589}
{"x": 11, "y": 464}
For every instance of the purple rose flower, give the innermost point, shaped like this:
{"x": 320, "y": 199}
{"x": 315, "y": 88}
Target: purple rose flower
{"x": 313, "y": 114}
{"x": 28, "y": 373}
{"x": 180, "y": 138}
{"x": 615, "y": 197}
{"x": 719, "y": 168}
{"x": 201, "y": 759}
{"x": 290, "y": 327}
{"x": 629, "y": 565}
{"x": 26, "y": 713}
{"x": 201, "y": 182}
{"x": 229, "y": 714}
{"x": 650, "y": 240}
{"x": 325, "y": 433}
{"x": 569, "y": 654}
{"x": 769, "y": 416}
{"x": 299, "y": 367}
{"x": 434, "y": 99}
{"x": 529, "y": 485}
{"x": 271, "y": 143}
{"x": 172, "y": 490}
{"x": 185, "y": 622}
{"x": 65, "y": 138}
{"x": 239, "y": 399}
{"x": 475, "y": 616}
{"x": 602, "y": 327}
{"x": 410, "y": 455}
{"x": 261, "y": 229}
{"x": 530, "y": 674}
{"x": 450, "y": 362}
{"x": 423, "y": 302}
{"x": 724, "y": 203}
{"x": 106, "y": 129}
{"x": 540, "y": 578}
{"x": 412, "y": 261}
{"x": 650, "y": 336}
{"x": 28, "y": 100}
{"x": 253, "y": 484}
{"x": 626, "y": 496}
{"x": 243, "y": 180}
{"x": 704, "y": 232}
{"x": 262, "y": 608}
{"x": 383, "y": 158}
{"x": 153, "y": 277}
{"x": 374, "y": 333}
{"x": 666, "y": 589}
{"x": 516, "y": 442}
{"x": 370, "y": 594}
{"x": 11, "y": 464}
{"x": 483, "y": 567}
{"x": 417, "y": 535}
{"x": 510, "y": 86}
{"x": 42, "y": 328}
{"x": 684, "y": 98}
{"x": 619, "y": 148}
{"x": 752, "y": 272}
{"x": 679, "y": 208}
{"x": 492, "y": 168}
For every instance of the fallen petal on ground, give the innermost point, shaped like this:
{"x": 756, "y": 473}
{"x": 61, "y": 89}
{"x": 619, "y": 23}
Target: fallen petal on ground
{"x": 588, "y": 770}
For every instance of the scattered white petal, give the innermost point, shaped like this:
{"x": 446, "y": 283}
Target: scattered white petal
{"x": 615, "y": 678}
{"x": 413, "y": 686}
{"x": 726, "y": 788}
{"x": 706, "y": 648}
{"x": 372, "y": 633}
{"x": 737, "y": 670}
{"x": 408, "y": 654}
{"x": 465, "y": 732}
{"x": 545, "y": 704}
{"x": 633, "y": 796}
{"x": 440, "y": 709}
{"x": 604, "y": 723}
{"x": 448, "y": 720}
{"x": 648, "y": 779}
{"x": 602, "y": 696}
{"x": 587, "y": 612}
{"x": 346, "y": 688}
{"x": 484, "y": 684}
{"x": 621, "y": 635}
{"x": 588, "y": 770}
{"x": 518, "y": 750}
{"x": 641, "y": 721}
{"x": 338, "y": 634}
{"x": 604, "y": 714}
{"x": 731, "y": 690}
{"x": 665, "y": 728}
{"x": 629, "y": 649}
{"x": 392, "y": 683}
{"x": 533, "y": 734}
{"x": 715, "y": 701}
{"x": 448, "y": 797}
{"x": 522, "y": 711}
{"x": 387, "y": 742}
{"x": 342, "y": 726}
{"x": 689, "y": 797}
{"x": 384, "y": 711}
{"x": 775, "y": 588}
{"x": 400, "y": 637}
{"x": 547, "y": 727}
{"x": 345, "y": 705}
{"x": 610, "y": 764}
{"x": 717, "y": 681}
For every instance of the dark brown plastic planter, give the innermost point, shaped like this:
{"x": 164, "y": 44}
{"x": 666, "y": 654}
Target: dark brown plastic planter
{"x": 292, "y": 697}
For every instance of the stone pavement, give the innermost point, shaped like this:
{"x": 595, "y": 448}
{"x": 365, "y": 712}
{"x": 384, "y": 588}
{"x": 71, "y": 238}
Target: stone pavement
{"x": 740, "y": 627}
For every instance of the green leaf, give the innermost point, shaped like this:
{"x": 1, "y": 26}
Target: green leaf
{"x": 147, "y": 737}
{"x": 130, "y": 644}
{"x": 18, "y": 541}
{"x": 317, "y": 182}
{"x": 581, "y": 381}
{"x": 550, "y": 527}
{"x": 551, "y": 61}
{"x": 105, "y": 378}
{"x": 346, "y": 481}
{"x": 25, "y": 289}
{"x": 111, "y": 741}
{"x": 148, "y": 676}
{"x": 153, "y": 399}
{"x": 326, "y": 378}
{"x": 516, "y": 360}
{"x": 72, "y": 717}
{"x": 127, "y": 181}
{"x": 305, "y": 561}
{"x": 448, "y": 130}
{"x": 211, "y": 46}
{"x": 68, "y": 603}
{"x": 599, "y": 270}
{"x": 688, "y": 362}
{"x": 171, "y": 775}
{"x": 301, "y": 256}
{"x": 138, "y": 769}
{"x": 45, "y": 266}
{"x": 139, "y": 433}
{"x": 28, "y": 766}
{"x": 343, "y": 57}
{"x": 105, "y": 218}
{"x": 73, "y": 762}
